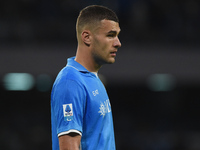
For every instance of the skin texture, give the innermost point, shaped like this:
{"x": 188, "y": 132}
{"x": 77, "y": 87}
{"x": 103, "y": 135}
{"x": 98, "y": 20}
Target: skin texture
{"x": 70, "y": 141}
{"x": 96, "y": 46}
{"x": 105, "y": 42}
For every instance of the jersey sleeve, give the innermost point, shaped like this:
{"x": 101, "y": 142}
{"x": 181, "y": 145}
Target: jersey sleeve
{"x": 68, "y": 103}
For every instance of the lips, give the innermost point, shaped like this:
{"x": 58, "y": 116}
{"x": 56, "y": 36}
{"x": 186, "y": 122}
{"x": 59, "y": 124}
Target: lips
{"x": 113, "y": 53}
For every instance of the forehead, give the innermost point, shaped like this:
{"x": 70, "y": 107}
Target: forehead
{"x": 108, "y": 25}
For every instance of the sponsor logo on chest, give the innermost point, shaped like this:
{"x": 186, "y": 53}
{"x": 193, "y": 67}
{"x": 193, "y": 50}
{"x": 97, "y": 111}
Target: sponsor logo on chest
{"x": 104, "y": 108}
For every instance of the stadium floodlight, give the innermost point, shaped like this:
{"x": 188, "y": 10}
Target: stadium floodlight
{"x": 18, "y": 81}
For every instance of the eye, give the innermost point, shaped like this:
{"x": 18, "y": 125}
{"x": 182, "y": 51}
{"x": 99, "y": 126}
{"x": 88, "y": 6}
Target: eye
{"x": 111, "y": 35}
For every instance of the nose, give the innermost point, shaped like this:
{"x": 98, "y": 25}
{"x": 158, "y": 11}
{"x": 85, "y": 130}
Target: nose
{"x": 117, "y": 43}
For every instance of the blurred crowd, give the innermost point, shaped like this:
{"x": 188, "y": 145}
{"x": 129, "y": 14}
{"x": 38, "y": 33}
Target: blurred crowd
{"x": 166, "y": 21}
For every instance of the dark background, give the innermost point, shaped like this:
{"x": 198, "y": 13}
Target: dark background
{"x": 153, "y": 86}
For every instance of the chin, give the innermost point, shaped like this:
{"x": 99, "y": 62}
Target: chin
{"x": 106, "y": 61}
{"x": 111, "y": 61}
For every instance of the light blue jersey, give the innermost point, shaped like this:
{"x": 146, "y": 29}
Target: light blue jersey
{"x": 79, "y": 103}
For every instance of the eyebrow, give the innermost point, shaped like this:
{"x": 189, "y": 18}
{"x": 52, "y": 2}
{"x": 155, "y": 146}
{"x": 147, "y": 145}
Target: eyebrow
{"x": 113, "y": 32}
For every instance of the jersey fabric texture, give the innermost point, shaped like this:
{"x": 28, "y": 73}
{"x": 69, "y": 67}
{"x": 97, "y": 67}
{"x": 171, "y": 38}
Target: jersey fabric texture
{"x": 79, "y": 103}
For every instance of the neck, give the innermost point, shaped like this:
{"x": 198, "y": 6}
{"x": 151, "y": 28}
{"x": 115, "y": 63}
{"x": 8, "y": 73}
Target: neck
{"x": 84, "y": 57}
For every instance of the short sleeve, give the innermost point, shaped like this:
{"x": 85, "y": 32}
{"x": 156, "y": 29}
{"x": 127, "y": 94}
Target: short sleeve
{"x": 68, "y": 103}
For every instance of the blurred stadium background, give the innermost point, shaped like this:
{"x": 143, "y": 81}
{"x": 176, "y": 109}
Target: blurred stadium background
{"x": 153, "y": 86}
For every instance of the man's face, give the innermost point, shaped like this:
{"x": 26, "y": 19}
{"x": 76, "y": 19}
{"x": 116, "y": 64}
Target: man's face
{"x": 105, "y": 42}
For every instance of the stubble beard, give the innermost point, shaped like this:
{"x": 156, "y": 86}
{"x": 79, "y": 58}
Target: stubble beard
{"x": 102, "y": 61}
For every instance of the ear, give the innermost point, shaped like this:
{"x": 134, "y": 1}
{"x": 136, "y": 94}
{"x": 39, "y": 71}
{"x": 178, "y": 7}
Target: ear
{"x": 86, "y": 37}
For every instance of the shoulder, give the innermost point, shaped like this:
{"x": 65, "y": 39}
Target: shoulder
{"x": 68, "y": 81}
{"x": 68, "y": 77}
{"x": 68, "y": 73}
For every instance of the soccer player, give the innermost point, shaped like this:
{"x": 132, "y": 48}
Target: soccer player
{"x": 81, "y": 115}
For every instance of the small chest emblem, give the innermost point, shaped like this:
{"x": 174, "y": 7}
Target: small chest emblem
{"x": 96, "y": 92}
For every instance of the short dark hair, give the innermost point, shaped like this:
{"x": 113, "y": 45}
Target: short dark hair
{"x": 93, "y": 14}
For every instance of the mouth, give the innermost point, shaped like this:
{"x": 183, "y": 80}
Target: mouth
{"x": 113, "y": 54}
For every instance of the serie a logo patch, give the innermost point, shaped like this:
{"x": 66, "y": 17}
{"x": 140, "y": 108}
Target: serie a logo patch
{"x": 68, "y": 112}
